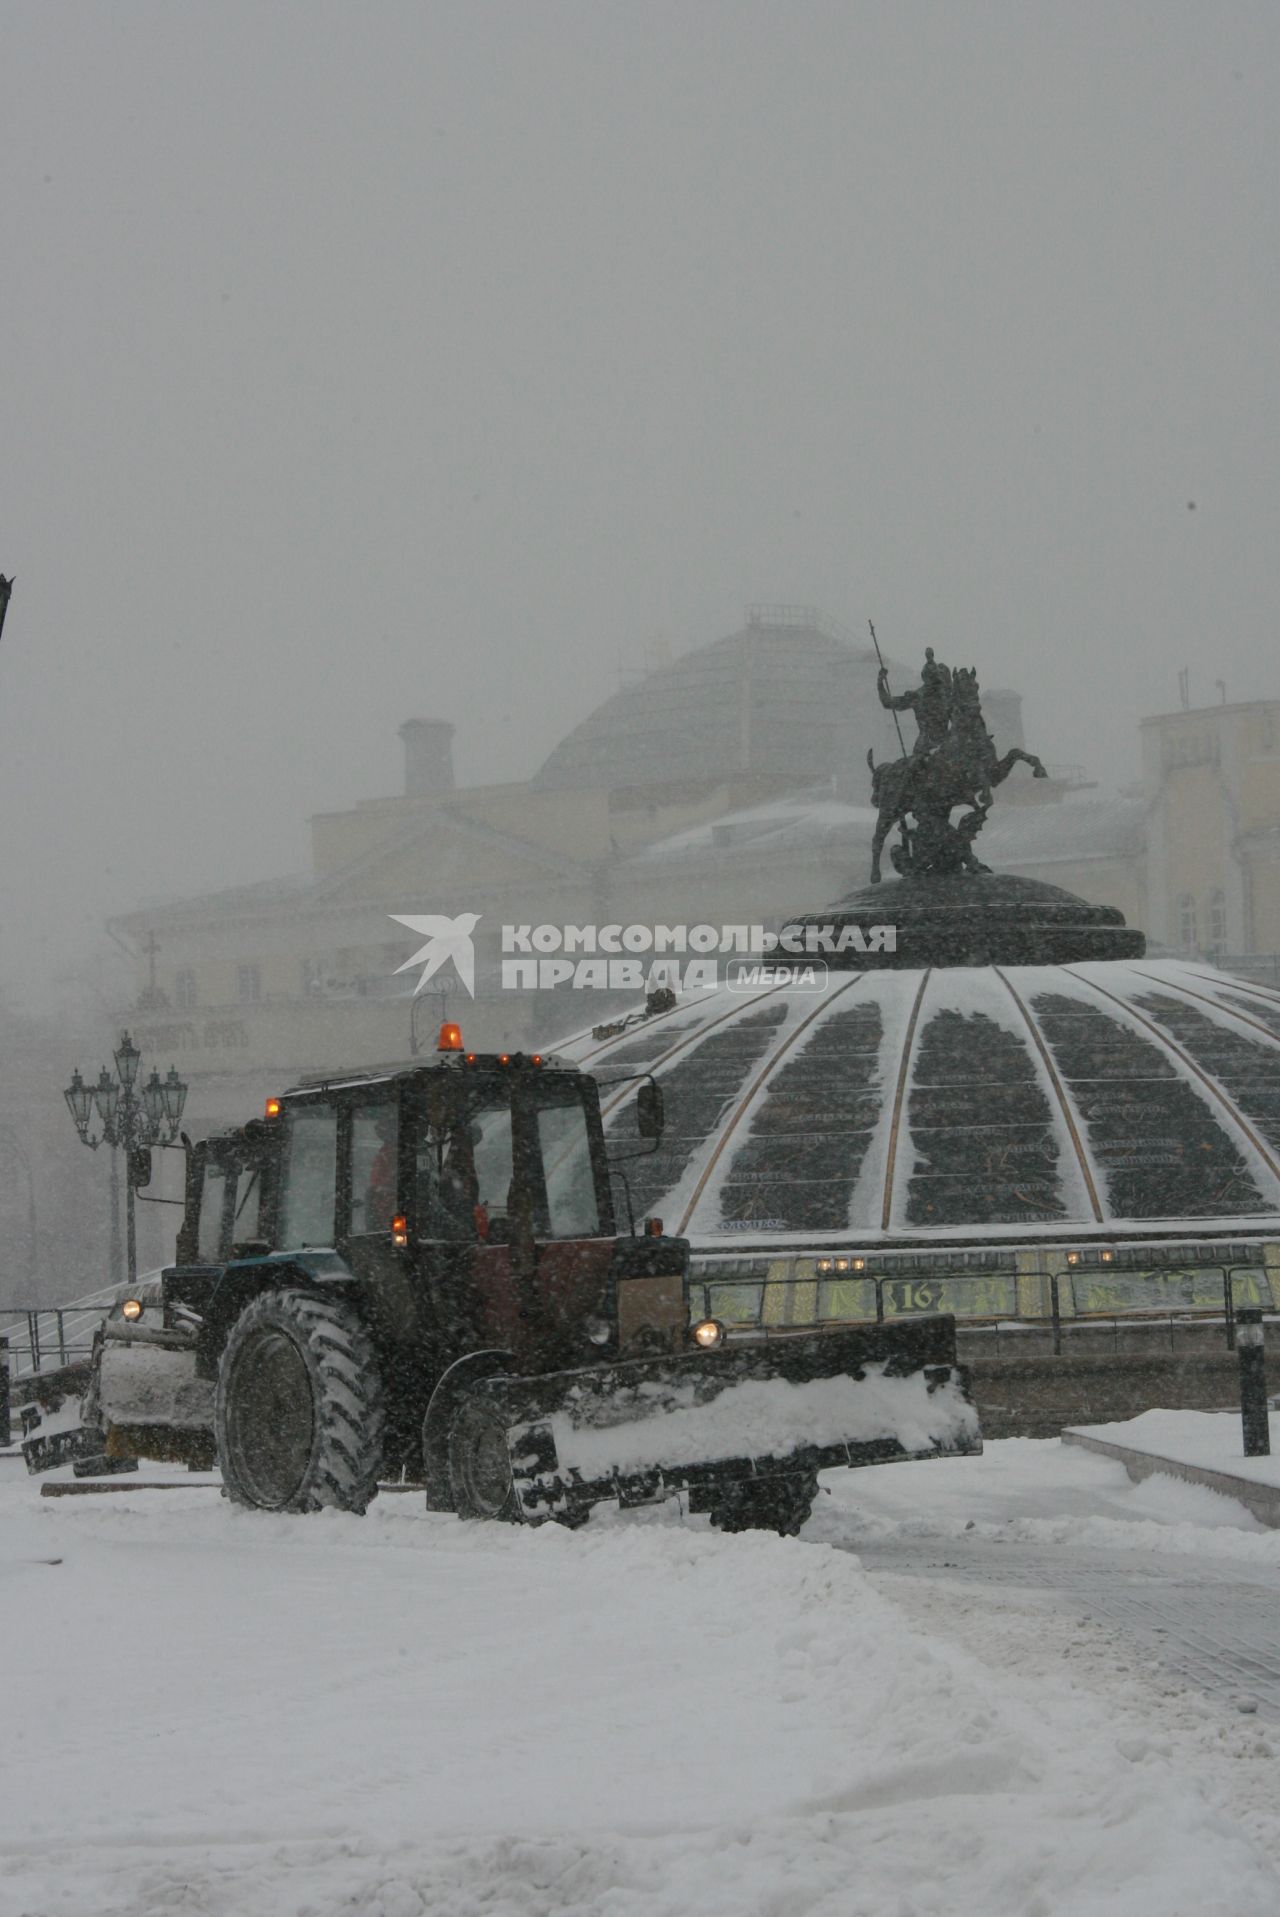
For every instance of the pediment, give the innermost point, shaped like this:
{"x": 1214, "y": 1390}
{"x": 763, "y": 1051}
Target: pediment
{"x": 450, "y": 854}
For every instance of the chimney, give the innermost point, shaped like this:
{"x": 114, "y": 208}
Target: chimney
{"x": 428, "y": 758}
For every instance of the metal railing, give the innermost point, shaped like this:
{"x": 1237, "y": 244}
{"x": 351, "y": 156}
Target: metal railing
{"x": 1053, "y": 1298}
{"x": 41, "y": 1339}
{"x": 1252, "y": 1279}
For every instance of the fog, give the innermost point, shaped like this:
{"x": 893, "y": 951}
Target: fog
{"x": 368, "y": 361}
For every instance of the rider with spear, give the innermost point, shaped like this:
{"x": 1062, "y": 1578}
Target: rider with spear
{"x": 931, "y": 701}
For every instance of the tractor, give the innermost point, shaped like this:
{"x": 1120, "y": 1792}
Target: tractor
{"x": 417, "y": 1275}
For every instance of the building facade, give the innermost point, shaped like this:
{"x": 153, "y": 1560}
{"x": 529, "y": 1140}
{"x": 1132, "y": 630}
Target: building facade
{"x": 1212, "y": 780}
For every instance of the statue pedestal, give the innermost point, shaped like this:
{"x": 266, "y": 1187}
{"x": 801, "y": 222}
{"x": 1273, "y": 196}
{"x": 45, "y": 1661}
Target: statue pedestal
{"x": 979, "y": 919}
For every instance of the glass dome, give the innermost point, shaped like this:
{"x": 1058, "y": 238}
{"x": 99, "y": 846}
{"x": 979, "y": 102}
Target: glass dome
{"x": 965, "y": 1105}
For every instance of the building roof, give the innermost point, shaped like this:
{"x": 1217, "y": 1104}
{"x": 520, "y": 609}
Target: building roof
{"x": 1079, "y": 826}
{"x": 786, "y": 695}
{"x": 813, "y": 818}
{"x": 1083, "y": 826}
{"x": 962, "y": 1105}
{"x": 261, "y": 897}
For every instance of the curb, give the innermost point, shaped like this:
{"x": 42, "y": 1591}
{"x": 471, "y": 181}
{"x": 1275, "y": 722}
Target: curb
{"x": 1262, "y": 1499}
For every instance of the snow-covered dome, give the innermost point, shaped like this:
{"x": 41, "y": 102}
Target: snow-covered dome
{"x": 1116, "y": 1099}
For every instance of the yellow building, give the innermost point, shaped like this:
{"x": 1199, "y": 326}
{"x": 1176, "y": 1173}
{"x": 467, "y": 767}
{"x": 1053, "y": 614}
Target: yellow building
{"x": 1212, "y": 782}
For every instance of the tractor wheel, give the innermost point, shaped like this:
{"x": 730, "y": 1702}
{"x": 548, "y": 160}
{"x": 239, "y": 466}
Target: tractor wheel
{"x": 298, "y": 1413}
{"x": 480, "y": 1465}
{"x": 766, "y": 1504}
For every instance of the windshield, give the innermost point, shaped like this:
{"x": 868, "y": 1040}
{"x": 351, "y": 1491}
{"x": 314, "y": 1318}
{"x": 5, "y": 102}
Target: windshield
{"x": 472, "y": 1166}
{"x": 464, "y": 1170}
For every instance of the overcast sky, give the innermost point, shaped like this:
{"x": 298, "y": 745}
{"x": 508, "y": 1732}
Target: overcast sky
{"x": 362, "y": 361}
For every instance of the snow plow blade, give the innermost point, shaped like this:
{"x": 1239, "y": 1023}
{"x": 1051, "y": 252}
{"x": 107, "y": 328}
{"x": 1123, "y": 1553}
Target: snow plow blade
{"x": 81, "y": 1448}
{"x": 873, "y": 1394}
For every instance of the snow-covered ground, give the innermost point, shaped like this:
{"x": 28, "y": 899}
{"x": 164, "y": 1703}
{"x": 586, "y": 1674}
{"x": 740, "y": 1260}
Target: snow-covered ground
{"x": 1210, "y": 1439}
{"x": 211, "y": 1711}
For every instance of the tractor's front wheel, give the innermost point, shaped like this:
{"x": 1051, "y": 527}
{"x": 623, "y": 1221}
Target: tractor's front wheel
{"x": 298, "y": 1413}
{"x": 480, "y": 1465}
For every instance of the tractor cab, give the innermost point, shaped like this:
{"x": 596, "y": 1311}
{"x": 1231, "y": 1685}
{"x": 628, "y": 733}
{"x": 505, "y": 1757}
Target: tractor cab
{"x": 470, "y": 1201}
{"x": 468, "y": 1151}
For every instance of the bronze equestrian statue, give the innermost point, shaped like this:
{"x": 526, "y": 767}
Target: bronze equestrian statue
{"x": 953, "y": 763}
{"x": 931, "y": 703}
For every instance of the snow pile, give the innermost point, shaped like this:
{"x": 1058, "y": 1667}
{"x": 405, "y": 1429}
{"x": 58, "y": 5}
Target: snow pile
{"x": 221, "y": 1712}
{"x": 770, "y": 1418}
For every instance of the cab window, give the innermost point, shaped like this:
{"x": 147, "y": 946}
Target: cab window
{"x": 565, "y": 1145}
{"x": 490, "y": 1133}
{"x": 373, "y": 1167}
{"x": 213, "y": 1193}
{"x": 244, "y": 1226}
{"x": 464, "y": 1171}
{"x": 308, "y": 1176}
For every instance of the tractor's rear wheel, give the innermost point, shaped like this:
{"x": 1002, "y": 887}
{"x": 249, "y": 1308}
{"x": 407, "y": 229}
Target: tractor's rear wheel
{"x": 298, "y": 1413}
{"x": 766, "y": 1504}
{"x": 480, "y": 1465}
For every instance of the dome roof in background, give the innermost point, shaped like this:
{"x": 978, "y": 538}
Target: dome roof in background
{"x": 788, "y": 697}
{"x": 960, "y": 1105}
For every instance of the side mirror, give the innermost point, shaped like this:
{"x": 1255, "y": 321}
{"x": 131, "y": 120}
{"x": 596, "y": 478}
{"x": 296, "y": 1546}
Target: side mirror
{"x": 140, "y": 1167}
{"x": 650, "y": 1117}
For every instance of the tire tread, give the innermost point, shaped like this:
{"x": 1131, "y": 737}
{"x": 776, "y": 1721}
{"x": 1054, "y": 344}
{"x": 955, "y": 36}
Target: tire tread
{"x": 347, "y": 1388}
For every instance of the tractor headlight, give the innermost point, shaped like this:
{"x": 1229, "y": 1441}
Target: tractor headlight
{"x": 131, "y": 1309}
{"x": 598, "y": 1330}
{"x": 708, "y": 1334}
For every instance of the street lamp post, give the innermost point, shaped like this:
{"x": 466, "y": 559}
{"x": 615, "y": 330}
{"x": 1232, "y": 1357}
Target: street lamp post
{"x": 131, "y": 1121}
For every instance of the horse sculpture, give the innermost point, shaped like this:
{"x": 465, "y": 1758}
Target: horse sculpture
{"x": 962, "y": 770}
